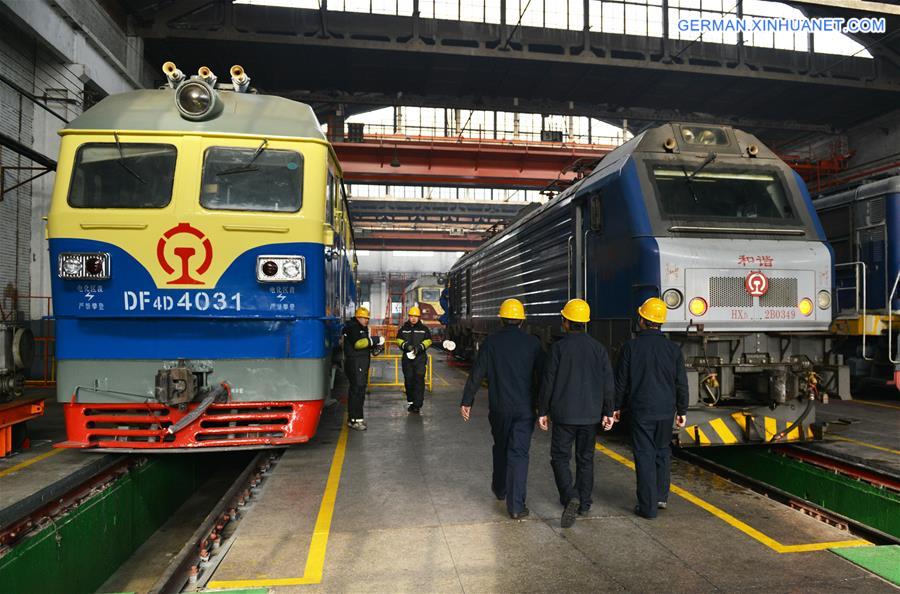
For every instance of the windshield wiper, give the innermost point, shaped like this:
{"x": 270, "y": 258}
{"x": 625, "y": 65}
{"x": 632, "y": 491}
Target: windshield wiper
{"x": 121, "y": 160}
{"x": 249, "y": 165}
{"x": 689, "y": 177}
{"x": 709, "y": 159}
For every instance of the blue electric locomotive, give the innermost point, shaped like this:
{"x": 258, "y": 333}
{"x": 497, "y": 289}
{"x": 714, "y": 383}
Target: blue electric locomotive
{"x": 863, "y": 227}
{"x": 712, "y": 221}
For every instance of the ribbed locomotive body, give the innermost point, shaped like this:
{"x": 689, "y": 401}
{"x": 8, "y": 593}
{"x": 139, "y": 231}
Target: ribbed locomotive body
{"x": 203, "y": 265}
{"x": 711, "y": 221}
{"x": 863, "y": 227}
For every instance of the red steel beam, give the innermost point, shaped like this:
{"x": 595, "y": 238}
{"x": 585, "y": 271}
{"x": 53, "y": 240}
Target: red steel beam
{"x": 405, "y": 160}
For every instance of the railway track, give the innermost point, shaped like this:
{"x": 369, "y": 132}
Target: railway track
{"x": 856, "y": 497}
{"x": 42, "y": 537}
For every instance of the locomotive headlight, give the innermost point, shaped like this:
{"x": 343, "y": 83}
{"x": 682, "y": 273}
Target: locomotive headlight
{"x": 291, "y": 269}
{"x": 280, "y": 269}
{"x": 196, "y": 99}
{"x": 673, "y": 298}
{"x": 698, "y": 306}
{"x": 823, "y": 299}
{"x": 80, "y": 266}
{"x": 805, "y": 306}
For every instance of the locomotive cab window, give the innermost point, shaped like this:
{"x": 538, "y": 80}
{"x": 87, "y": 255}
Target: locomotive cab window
{"x": 122, "y": 175}
{"x": 431, "y": 295}
{"x": 722, "y": 195}
{"x": 252, "y": 179}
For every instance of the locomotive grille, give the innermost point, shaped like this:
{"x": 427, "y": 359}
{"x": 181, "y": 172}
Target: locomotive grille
{"x": 782, "y": 293}
{"x": 729, "y": 291}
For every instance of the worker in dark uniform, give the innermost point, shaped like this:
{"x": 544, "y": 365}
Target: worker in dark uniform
{"x": 357, "y": 349}
{"x": 510, "y": 359}
{"x": 414, "y": 338}
{"x": 577, "y": 394}
{"x": 651, "y": 383}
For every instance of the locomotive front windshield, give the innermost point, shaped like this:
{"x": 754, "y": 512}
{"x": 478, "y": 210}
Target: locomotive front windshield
{"x": 248, "y": 179}
{"x": 722, "y": 195}
{"x": 122, "y": 175}
{"x": 431, "y": 295}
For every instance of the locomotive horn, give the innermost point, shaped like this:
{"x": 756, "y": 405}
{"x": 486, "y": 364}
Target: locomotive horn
{"x": 173, "y": 74}
{"x": 207, "y": 76}
{"x": 239, "y": 79}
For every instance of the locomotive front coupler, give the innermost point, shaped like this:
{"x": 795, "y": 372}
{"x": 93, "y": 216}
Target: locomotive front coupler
{"x": 181, "y": 382}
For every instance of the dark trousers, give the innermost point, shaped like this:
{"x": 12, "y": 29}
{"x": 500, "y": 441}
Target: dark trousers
{"x": 650, "y": 440}
{"x": 357, "y": 370}
{"x": 561, "y": 452}
{"x": 414, "y": 378}
{"x": 512, "y": 440}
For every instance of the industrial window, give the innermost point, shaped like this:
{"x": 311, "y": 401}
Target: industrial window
{"x": 720, "y": 194}
{"x": 123, "y": 175}
{"x": 430, "y": 295}
{"x": 255, "y": 179}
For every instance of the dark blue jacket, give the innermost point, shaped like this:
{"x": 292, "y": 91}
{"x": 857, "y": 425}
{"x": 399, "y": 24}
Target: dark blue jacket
{"x": 511, "y": 361}
{"x": 578, "y": 385}
{"x": 650, "y": 378}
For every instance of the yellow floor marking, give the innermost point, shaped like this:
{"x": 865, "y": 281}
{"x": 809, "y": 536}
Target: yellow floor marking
{"x": 315, "y": 559}
{"x": 734, "y": 522}
{"x": 723, "y": 431}
{"x": 862, "y": 443}
{"x": 31, "y": 461}
{"x": 882, "y": 404}
{"x": 440, "y": 379}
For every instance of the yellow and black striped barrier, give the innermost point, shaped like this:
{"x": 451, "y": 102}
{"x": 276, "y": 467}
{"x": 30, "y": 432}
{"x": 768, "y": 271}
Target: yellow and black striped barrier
{"x": 743, "y": 427}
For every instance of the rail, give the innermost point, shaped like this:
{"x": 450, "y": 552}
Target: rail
{"x": 859, "y": 282}
{"x": 397, "y": 383}
{"x": 889, "y": 306}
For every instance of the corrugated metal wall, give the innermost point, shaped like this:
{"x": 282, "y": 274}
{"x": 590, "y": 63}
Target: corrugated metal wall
{"x": 16, "y": 117}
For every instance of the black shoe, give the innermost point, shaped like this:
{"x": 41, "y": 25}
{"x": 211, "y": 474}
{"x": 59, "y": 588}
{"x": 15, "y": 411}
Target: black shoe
{"x": 498, "y": 495}
{"x": 637, "y": 511}
{"x": 411, "y": 408}
{"x": 584, "y": 510}
{"x": 521, "y": 515}
{"x": 415, "y": 409}
{"x": 569, "y": 514}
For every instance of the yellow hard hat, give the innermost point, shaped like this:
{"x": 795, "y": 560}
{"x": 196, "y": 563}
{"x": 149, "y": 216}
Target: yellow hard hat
{"x": 512, "y": 309}
{"x": 653, "y": 310}
{"x": 361, "y": 312}
{"x": 414, "y": 311}
{"x": 577, "y": 310}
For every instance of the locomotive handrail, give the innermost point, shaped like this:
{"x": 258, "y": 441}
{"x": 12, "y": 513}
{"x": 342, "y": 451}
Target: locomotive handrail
{"x": 856, "y": 267}
{"x": 569, "y": 268}
{"x": 889, "y": 306}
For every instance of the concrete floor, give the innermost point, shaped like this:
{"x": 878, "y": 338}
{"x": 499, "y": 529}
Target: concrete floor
{"x": 864, "y": 430}
{"x": 414, "y": 512}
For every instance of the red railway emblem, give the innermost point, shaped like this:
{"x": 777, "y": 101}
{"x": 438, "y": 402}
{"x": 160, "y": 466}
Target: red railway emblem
{"x": 756, "y": 284}
{"x": 184, "y": 254}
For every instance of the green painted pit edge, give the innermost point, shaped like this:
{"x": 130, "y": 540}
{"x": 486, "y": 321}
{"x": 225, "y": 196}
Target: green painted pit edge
{"x": 102, "y": 532}
{"x": 860, "y": 501}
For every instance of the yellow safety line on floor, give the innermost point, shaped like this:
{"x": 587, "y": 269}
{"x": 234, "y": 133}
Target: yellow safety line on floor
{"x": 863, "y": 443}
{"x": 315, "y": 559}
{"x": 872, "y": 403}
{"x": 734, "y": 522}
{"x": 440, "y": 379}
{"x": 31, "y": 461}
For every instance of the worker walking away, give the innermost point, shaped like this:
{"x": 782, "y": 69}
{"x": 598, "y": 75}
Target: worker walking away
{"x": 414, "y": 338}
{"x": 510, "y": 359}
{"x": 358, "y": 346}
{"x": 651, "y": 383}
{"x": 577, "y": 395}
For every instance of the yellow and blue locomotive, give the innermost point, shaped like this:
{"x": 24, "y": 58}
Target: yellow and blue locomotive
{"x": 204, "y": 260}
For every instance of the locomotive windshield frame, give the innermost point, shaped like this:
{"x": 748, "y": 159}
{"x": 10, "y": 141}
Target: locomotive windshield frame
{"x": 798, "y": 225}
